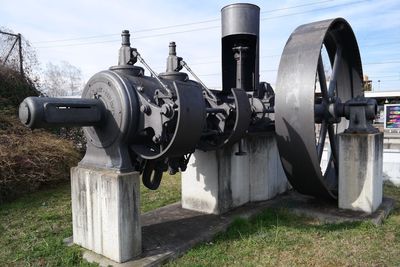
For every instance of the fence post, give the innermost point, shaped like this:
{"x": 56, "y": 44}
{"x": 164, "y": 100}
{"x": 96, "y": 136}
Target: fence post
{"x": 21, "y": 67}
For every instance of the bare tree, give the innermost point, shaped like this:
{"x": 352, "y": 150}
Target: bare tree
{"x": 62, "y": 80}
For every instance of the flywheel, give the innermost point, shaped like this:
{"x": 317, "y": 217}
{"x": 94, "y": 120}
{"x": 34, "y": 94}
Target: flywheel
{"x": 320, "y": 65}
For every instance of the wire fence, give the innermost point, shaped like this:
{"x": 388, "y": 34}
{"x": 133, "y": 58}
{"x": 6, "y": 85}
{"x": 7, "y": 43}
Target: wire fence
{"x": 17, "y": 64}
{"x": 11, "y": 51}
{"x": 16, "y": 53}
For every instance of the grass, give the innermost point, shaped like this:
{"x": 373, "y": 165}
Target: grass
{"x": 279, "y": 238}
{"x": 32, "y": 228}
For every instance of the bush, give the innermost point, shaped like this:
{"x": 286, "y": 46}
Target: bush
{"x": 28, "y": 159}
{"x": 31, "y": 159}
{"x": 75, "y": 135}
{"x": 14, "y": 88}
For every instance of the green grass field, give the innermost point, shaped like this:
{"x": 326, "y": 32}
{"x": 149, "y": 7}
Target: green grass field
{"x": 32, "y": 230}
{"x": 278, "y": 238}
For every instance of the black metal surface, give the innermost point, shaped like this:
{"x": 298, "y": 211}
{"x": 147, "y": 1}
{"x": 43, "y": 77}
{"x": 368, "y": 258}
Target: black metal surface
{"x": 152, "y": 175}
{"x": 243, "y": 116}
{"x": 360, "y": 112}
{"x": 185, "y": 128}
{"x": 153, "y": 123}
{"x": 296, "y": 99}
{"x": 44, "y": 112}
{"x": 122, "y": 116}
{"x": 240, "y": 25}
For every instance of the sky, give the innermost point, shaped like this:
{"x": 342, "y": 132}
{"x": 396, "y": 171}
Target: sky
{"x": 86, "y": 33}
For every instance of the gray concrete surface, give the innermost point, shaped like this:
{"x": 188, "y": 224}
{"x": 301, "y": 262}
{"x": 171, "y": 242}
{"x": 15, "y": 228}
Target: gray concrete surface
{"x": 360, "y": 171}
{"x": 391, "y": 166}
{"x": 105, "y": 212}
{"x": 391, "y": 157}
{"x": 328, "y": 212}
{"x": 170, "y": 231}
{"x": 217, "y": 181}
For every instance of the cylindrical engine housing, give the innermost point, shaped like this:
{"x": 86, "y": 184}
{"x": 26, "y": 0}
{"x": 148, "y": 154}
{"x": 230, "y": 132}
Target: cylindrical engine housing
{"x": 45, "y": 112}
{"x": 240, "y": 28}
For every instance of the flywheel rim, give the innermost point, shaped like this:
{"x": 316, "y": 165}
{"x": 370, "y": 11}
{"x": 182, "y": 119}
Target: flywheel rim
{"x": 300, "y": 66}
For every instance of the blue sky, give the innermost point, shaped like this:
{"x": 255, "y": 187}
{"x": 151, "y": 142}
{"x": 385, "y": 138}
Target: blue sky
{"x": 59, "y": 29}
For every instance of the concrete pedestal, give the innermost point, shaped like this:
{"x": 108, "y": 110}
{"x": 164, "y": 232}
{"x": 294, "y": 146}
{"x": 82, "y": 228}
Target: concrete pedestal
{"x": 217, "y": 181}
{"x": 360, "y": 171}
{"x": 105, "y": 212}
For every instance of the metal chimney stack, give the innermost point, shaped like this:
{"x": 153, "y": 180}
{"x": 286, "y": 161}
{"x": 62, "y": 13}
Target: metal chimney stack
{"x": 240, "y": 46}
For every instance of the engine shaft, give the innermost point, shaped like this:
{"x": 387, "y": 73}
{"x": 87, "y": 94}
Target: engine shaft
{"x": 43, "y": 112}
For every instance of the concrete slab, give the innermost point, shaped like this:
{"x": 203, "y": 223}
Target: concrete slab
{"x": 326, "y": 212}
{"x": 170, "y": 231}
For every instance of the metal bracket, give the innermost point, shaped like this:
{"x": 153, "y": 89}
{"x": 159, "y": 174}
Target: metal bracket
{"x": 360, "y": 112}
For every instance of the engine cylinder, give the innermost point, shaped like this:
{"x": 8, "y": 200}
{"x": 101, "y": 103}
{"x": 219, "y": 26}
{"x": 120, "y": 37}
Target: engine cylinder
{"x": 240, "y": 32}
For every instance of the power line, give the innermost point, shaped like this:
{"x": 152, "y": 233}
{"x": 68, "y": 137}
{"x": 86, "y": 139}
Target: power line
{"x": 396, "y": 80}
{"x": 369, "y": 63}
{"x": 385, "y": 76}
{"x": 379, "y": 44}
{"x": 293, "y": 7}
{"x": 277, "y": 55}
{"x": 199, "y": 29}
{"x": 79, "y": 44}
{"x": 213, "y": 27}
{"x": 316, "y": 9}
{"x": 204, "y": 28}
{"x": 207, "y": 28}
{"x": 383, "y": 62}
{"x": 219, "y": 73}
{"x": 274, "y": 70}
{"x": 134, "y": 38}
{"x": 177, "y": 32}
{"x": 179, "y": 25}
{"x": 76, "y": 39}
{"x": 217, "y": 61}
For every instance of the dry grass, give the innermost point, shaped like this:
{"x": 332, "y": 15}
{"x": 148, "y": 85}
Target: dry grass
{"x": 29, "y": 160}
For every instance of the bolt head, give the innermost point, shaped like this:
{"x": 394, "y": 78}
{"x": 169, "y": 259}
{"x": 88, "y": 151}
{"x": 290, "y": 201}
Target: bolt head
{"x": 145, "y": 109}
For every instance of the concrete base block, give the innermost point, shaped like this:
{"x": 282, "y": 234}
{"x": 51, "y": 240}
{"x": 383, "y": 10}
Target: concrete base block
{"x": 217, "y": 181}
{"x": 105, "y": 212}
{"x": 360, "y": 171}
{"x": 266, "y": 174}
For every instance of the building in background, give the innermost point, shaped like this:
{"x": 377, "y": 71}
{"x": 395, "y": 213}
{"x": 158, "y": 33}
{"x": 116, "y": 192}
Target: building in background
{"x": 388, "y": 117}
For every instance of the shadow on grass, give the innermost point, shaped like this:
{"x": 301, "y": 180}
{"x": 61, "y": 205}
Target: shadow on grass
{"x": 274, "y": 218}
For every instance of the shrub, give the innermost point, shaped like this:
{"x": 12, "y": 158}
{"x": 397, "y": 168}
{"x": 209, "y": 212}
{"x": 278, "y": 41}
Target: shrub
{"x": 14, "y": 88}
{"x": 31, "y": 159}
